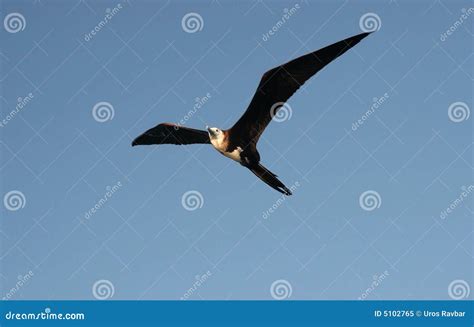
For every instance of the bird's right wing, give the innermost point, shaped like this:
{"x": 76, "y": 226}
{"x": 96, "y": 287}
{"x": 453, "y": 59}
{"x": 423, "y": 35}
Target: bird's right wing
{"x": 280, "y": 83}
{"x": 167, "y": 133}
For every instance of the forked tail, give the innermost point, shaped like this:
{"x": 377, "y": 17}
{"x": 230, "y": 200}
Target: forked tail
{"x": 270, "y": 178}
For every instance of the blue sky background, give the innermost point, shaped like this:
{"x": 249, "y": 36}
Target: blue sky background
{"x": 142, "y": 240}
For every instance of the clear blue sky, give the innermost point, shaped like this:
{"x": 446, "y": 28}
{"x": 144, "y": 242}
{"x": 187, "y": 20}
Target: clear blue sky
{"x": 321, "y": 241}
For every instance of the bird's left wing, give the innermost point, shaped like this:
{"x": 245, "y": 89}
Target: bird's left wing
{"x": 167, "y": 133}
{"x": 280, "y": 83}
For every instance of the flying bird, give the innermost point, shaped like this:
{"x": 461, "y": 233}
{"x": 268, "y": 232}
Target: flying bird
{"x": 239, "y": 142}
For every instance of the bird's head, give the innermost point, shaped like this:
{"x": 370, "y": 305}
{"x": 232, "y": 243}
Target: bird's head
{"x": 215, "y": 133}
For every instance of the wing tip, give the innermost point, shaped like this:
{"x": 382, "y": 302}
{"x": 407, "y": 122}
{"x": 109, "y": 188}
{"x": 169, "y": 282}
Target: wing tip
{"x": 138, "y": 141}
{"x": 362, "y": 35}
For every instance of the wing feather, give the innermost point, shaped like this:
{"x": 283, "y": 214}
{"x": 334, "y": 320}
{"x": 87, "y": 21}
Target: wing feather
{"x": 280, "y": 83}
{"x": 167, "y": 133}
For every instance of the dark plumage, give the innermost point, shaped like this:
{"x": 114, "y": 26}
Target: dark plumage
{"x": 171, "y": 134}
{"x": 240, "y": 141}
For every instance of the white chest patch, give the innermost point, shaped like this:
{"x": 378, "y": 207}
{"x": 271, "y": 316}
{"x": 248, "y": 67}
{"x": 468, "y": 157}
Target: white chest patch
{"x": 234, "y": 155}
{"x": 219, "y": 145}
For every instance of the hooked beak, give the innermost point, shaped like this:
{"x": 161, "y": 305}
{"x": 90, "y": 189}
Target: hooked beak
{"x": 210, "y": 130}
